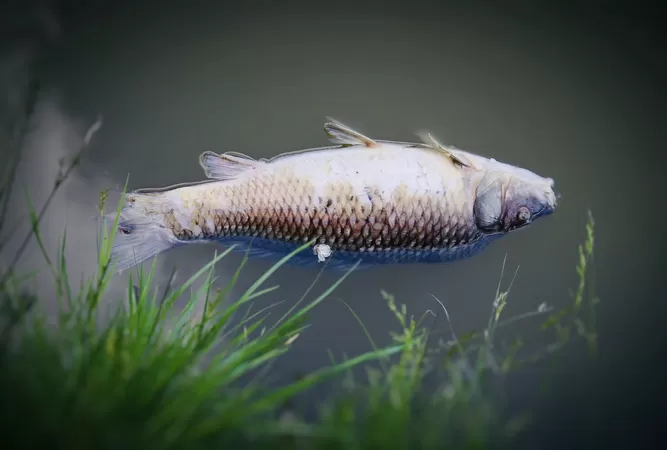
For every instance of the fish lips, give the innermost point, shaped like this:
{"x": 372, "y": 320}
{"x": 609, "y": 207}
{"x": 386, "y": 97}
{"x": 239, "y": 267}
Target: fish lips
{"x": 545, "y": 211}
{"x": 548, "y": 205}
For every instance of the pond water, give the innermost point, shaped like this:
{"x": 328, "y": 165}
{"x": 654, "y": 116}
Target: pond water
{"x": 550, "y": 91}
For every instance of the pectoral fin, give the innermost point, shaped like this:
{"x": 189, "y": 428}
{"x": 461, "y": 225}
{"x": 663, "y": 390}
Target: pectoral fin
{"x": 342, "y": 134}
{"x": 488, "y": 205}
{"x": 428, "y": 139}
{"x": 226, "y": 166}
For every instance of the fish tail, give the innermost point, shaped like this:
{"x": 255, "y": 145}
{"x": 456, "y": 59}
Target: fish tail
{"x": 141, "y": 233}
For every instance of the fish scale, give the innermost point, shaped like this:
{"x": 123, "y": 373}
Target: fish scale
{"x": 370, "y": 200}
{"x": 338, "y": 221}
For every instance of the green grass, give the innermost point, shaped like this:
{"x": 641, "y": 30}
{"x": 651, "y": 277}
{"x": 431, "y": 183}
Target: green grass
{"x": 153, "y": 376}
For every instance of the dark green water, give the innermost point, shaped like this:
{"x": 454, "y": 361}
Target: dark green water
{"x": 565, "y": 91}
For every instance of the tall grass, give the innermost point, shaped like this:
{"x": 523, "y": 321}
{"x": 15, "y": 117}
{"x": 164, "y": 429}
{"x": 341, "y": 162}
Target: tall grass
{"x": 156, "y": 377}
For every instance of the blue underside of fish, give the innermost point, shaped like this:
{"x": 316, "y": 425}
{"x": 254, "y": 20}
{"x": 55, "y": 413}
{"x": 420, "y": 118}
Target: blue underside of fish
{"x": 345, "y": 260}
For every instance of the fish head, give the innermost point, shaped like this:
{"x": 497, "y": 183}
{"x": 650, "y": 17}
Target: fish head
{"x": 509, "y": 198}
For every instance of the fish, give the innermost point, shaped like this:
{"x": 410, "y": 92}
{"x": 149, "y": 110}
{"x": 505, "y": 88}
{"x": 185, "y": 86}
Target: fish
{"x": 361, "y": 201}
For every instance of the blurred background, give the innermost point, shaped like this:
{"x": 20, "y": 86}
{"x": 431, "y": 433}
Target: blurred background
{"x": 573, "y": 91}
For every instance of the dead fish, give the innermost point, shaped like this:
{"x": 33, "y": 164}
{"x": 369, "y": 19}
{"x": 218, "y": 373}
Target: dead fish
{"x": 361, "y": 200}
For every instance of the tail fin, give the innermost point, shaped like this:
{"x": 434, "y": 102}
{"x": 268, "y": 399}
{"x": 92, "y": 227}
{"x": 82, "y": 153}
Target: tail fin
{"x": 141, "y": 233}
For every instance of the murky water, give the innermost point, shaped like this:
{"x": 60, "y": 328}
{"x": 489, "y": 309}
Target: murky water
{"x": 549, "y": 91}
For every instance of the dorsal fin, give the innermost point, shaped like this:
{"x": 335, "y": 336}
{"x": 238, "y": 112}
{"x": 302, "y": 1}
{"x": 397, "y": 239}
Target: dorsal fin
{"x": 226, "y": 166}
{"x": 428, "y": 139}
{"x": 342, "y": 134}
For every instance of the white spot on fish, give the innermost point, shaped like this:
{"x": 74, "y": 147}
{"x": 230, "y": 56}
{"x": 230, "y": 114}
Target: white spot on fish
{"x": 323, "y": 251}
{"x": 543, "y": 307}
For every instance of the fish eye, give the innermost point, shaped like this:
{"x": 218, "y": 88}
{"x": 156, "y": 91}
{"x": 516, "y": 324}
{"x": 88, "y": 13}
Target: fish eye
{"x": 523, "y": 214}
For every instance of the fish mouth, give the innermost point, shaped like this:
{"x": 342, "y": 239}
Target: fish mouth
{"x": 549, "y": 206}
{"x": 545, "y": 211}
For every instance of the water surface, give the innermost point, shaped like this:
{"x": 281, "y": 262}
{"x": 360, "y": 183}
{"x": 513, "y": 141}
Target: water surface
{"x": 546, "y": 89}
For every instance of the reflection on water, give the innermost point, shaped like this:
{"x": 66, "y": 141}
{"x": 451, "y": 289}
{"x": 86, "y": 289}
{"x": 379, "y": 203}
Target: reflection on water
{"x": 531, "y": 87}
